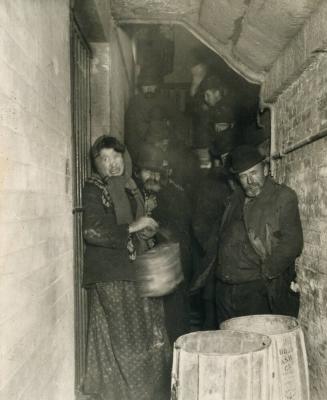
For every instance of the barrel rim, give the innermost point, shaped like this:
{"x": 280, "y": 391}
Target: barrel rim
{"x": 245, "y": 317}
{"x": 264, "y": 346}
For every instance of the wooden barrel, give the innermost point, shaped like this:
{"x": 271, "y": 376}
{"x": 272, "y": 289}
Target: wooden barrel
{"x": 288, "y": 358}
{"x": 221, "y": 365}
{"x": 159, "y": 270}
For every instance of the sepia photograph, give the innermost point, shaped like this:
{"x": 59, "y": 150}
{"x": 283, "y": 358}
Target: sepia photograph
{"x": 163, "y": 215}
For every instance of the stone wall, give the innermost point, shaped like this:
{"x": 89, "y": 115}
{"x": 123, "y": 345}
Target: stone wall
{"x": 301, "y": 110}
{"x": 36, "y": 246}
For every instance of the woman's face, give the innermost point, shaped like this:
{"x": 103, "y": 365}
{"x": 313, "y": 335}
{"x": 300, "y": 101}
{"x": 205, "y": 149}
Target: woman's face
{"x": 109, "y": 163}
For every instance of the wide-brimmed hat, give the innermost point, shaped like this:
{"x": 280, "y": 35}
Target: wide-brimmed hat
{"x": 157, "y": 131}
{"x": 151, "y": 158}
{"x": 245, "y": 157}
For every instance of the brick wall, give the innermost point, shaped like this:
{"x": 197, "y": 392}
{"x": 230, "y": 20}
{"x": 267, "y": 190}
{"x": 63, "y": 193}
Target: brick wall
{"x": 301, "y": 110}
{"x": 36, "y": 256}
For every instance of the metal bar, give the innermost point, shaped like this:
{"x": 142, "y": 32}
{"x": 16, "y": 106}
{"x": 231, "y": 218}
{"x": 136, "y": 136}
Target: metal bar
{"x": 88, "y": 75}
{"x": 77, "y": 209}
{"x": 82, "y": 115}
{"x": 80, "y": 55}
{"x": 78, "y": 248}
{"x": 299, "y": 144}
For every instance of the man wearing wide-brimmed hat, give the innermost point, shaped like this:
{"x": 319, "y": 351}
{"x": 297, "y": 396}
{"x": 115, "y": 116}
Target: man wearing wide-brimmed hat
{"x": 168, "y": 205}
{"x": 260, "y": 238}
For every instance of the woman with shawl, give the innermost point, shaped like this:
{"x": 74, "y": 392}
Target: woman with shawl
{"x": 128, "y": 351}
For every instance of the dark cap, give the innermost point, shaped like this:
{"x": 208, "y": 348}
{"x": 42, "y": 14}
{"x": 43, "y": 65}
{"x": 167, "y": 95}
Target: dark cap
{"x": 245, "y": 157}
{"x": 151, "y": 158}
{"x": 158, "y": 130}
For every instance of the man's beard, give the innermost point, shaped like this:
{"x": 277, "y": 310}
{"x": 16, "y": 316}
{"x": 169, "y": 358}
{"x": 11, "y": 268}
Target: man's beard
{"x": 253, "y": 190}
{"x": 151, "y": 185}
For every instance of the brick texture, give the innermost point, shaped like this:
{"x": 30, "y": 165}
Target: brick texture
{"x": 36, "y": 249}
{"x": 301, "y": 110}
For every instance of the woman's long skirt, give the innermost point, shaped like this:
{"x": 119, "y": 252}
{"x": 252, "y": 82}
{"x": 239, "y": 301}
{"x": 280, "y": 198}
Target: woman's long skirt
{"x": 128, "y": 351}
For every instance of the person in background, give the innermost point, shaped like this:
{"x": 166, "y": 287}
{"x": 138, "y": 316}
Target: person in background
{"x": 174, "y": 208}
{"x": 260, "y": 238}
{"x": 180, "y": 161}
{"x": 128, "y": 353}
{"x": 220, "y": 118}
{"x": 213, "y": 195}
{"x": 142, "y": 109}
{"x": 162, "y": 201}
{"x": 200, "y": 69}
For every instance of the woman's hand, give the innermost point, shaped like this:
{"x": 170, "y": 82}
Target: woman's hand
{"x": 147, "y": 233}
{"x": 142, "y": 223}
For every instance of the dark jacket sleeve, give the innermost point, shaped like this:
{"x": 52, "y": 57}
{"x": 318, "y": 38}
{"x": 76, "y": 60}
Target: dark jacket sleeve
{"x": 99, "y": 226}
{"x": 209, "y": 210}
{"x": 289, "y": 243}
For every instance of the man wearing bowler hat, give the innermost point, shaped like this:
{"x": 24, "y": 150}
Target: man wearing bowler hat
{"x": 260, "y": 238}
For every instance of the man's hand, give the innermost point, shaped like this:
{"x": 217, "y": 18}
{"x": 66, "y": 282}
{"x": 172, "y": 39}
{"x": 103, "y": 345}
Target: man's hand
{"x": 258, "y": 245}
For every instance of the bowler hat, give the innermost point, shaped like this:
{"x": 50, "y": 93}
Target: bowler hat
{"x": 245, "y": 157}
{"x": 158, "y": 130}
{"x": 151, "y": 158}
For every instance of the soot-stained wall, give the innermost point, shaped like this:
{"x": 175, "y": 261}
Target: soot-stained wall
{"x": 300, "y": 111}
